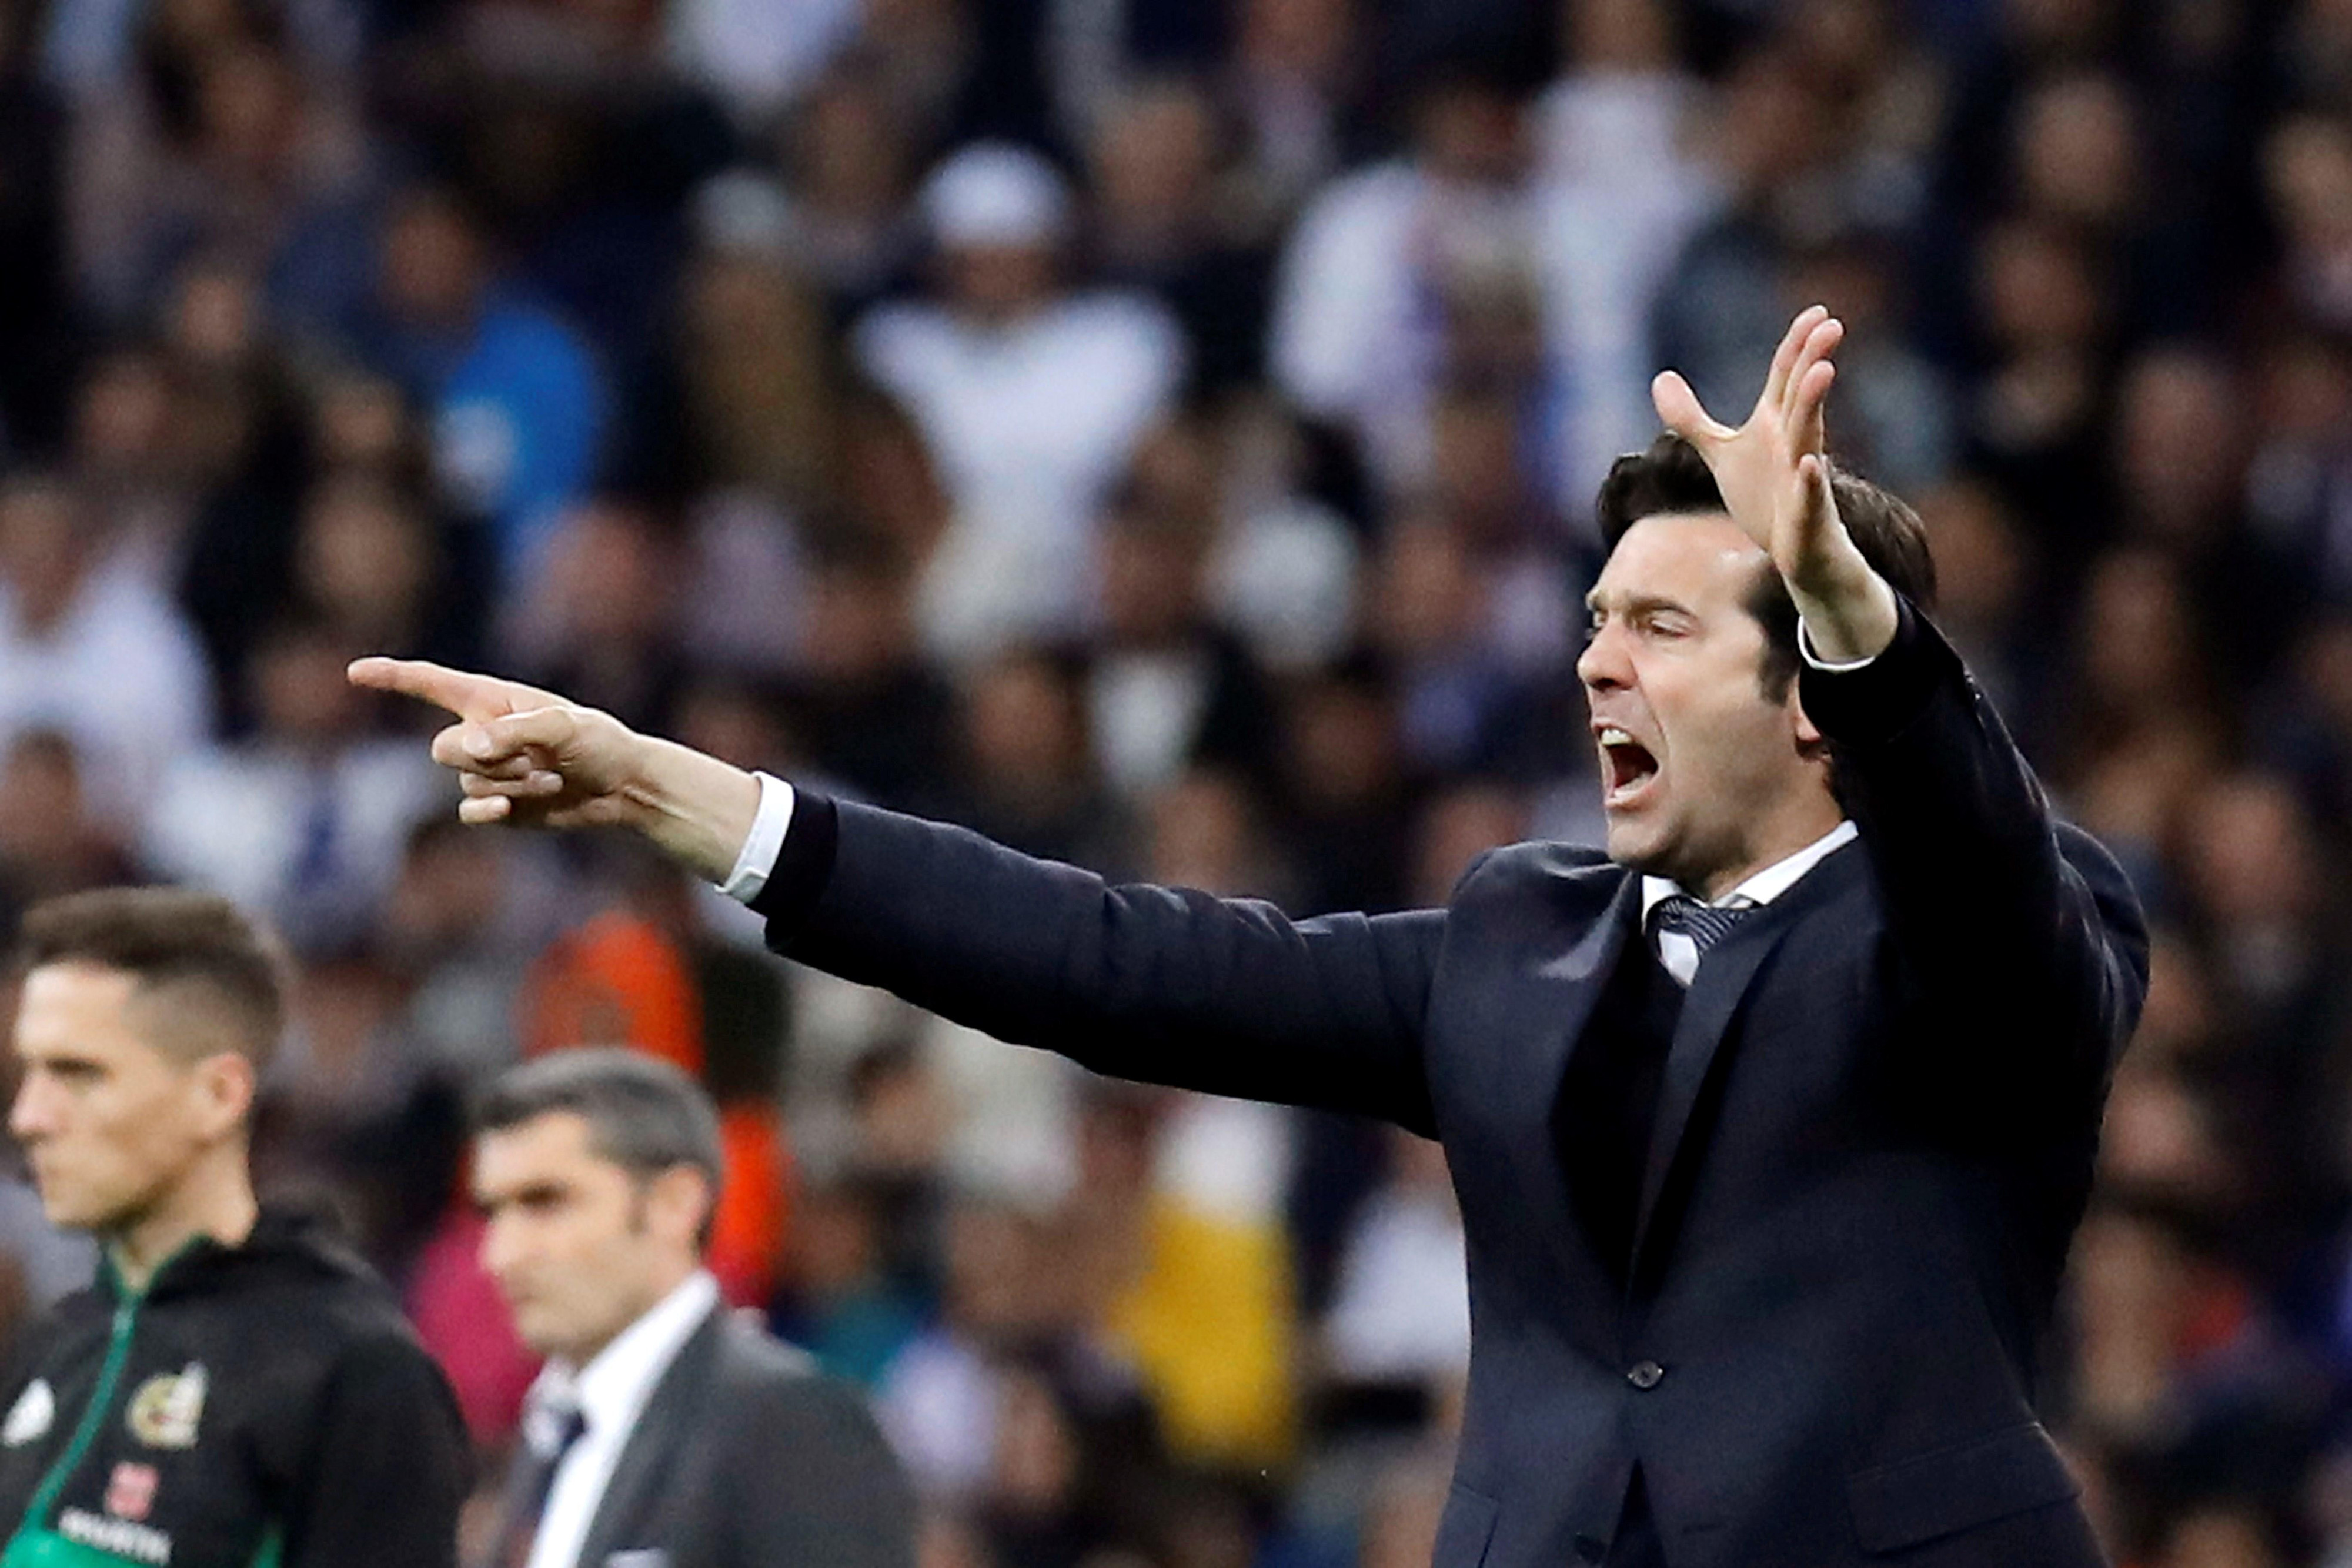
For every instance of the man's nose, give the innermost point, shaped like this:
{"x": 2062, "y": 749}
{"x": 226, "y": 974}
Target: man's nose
{"x": 1603, "y": 666}
{"x": 32, "y": 1113}
{"x": 499, "y": 1250}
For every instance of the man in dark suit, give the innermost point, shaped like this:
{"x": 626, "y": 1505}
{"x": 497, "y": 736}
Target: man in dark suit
{"x": 1770, "y": 1129}
{"x": 666, "y": 1431}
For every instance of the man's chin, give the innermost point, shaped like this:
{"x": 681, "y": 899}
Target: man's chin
{"x": 1635, "y": 846}
{"x": 539, "y": 1334}
{"x": 96, "y": 1218}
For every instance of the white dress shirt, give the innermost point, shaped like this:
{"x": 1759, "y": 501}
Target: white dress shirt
{"x": 611, "y": 1392}
{"x": 1679, "y": 953}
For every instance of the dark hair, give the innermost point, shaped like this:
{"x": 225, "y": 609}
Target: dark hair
{"x": 1672, "y": 479}
{"x": 170, "y": 937}
{"x": 642, "y": 1114}
{"x": 847, "y": 551}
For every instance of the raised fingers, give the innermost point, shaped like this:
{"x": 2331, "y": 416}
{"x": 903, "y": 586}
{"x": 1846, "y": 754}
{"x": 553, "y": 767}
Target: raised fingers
{"x": 1803, "y": 381}
{"x": 1808, "y": 402}
{"x": 1785, "y": 357}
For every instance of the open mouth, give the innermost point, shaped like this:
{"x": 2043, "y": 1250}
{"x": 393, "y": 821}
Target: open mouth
{"x": 1627, "y": 767}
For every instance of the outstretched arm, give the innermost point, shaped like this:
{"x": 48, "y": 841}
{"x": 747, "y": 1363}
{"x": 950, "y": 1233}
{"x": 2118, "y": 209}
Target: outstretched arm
{"x": 527, "y": 757}
{"x": 1225, "y": 996}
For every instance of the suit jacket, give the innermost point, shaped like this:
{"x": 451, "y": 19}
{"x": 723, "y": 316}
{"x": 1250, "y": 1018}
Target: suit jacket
{"x": 1874, "y": 1133}
{"x": 745, "y": 1457}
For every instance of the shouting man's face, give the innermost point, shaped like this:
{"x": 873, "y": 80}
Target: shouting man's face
{"x": 1707, "y": 774}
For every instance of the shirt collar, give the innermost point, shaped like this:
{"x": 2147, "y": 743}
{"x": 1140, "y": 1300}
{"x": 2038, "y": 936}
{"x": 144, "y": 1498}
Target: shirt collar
{"x": 614, "y": 1387}
{"x": 1767, "y": 884}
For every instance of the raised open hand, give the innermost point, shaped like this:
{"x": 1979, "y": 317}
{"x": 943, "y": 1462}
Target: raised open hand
{"x": 1775, "y": 480}
{"x": 1771, "y": 469}
{"x": 521, "y": 754}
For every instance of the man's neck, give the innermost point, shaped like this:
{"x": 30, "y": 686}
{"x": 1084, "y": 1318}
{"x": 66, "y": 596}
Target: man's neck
{"x": 579, "y": 1357}
{"x": 1716, "y": 884}
{"x": 216, "y": 1202}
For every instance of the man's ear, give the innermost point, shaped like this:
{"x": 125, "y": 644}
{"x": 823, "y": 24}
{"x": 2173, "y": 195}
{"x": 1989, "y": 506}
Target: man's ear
{"x": 227, "y": 1085}
{"x": 1810, "y": 741}
{"x": 678, "y": 1202}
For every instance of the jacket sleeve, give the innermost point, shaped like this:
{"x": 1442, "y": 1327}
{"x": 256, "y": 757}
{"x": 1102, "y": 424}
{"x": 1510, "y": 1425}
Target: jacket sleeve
{"x": 816, "y": 1483}
{"x": 1226, "y": 996}
{"x": 387, "y": 1467}
{"x": 2018, "y": 929}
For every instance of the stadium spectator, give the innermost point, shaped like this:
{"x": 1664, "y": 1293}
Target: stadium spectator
{"x": 222, "y": 146}
{"x": 1620, "y": 186}
{"x": 1156, "y": 160}
{"x": 516, "y": 401}
{"x": 50, "y": 843}
{"x": 92, "y": 650}
{"x": 305, "y": 820}
{"x": 839, "y": 1299}
{"x": 1166, "y": 686}
{"x": 1397, "y": 1323}
{"x": 1029, "y": 770}
{"x": 1381, "y": 258}
{"x": 601, "y": 611}
{"x": 1189, "y": 1287}
{"x": 876, "y": 715}
{"x": 982, "y": 370}
{"x": 847, "y": 158}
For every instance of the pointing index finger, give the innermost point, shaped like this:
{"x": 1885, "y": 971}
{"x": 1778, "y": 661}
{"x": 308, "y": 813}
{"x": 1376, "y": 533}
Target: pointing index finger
{"x": 469, "y": 697}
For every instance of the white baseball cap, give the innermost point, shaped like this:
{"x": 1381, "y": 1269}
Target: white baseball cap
{"x": 996, "y": 194}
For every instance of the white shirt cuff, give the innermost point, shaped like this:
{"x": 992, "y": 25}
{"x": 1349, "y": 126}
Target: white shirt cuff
{"x": 757, "y": 860}
{"x": 1805, "y": 651}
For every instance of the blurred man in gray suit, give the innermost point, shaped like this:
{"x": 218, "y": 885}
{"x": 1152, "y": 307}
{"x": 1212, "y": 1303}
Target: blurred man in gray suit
{"x": 665, "y": 1432}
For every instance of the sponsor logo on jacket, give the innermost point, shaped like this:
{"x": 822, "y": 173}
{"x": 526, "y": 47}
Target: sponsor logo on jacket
{"x": 131, "y": 1490}
{"x": 140, "y": 1543}
{"x": 164, "y": 1412}
{"x": 35, "y": 1412}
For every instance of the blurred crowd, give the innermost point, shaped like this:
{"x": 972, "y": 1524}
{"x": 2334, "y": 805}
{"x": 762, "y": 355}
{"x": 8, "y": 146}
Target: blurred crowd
{"x": 1161, "y": 433}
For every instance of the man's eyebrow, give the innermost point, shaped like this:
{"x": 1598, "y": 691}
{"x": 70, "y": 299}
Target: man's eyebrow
{"x": 1638, "y": 604}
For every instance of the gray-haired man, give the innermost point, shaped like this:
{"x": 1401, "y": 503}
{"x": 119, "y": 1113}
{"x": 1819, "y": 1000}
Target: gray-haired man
{"x": 665, "y": 1429}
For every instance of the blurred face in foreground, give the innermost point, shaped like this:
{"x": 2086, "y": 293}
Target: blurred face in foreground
{"x": 1706, "y": 776}
{"x": 119, "y": 1101}
{"x": 579, "y": 1246}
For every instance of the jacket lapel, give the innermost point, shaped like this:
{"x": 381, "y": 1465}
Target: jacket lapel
{"x": 661, "y": 1430}
{"x": 1715, "y": 993}
{"x": 1572, "y": 984}
{"x": 1584, "y": 970}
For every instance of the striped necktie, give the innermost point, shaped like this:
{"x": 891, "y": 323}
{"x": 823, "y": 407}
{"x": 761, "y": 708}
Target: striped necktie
{"x": 1705, "y": 923}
